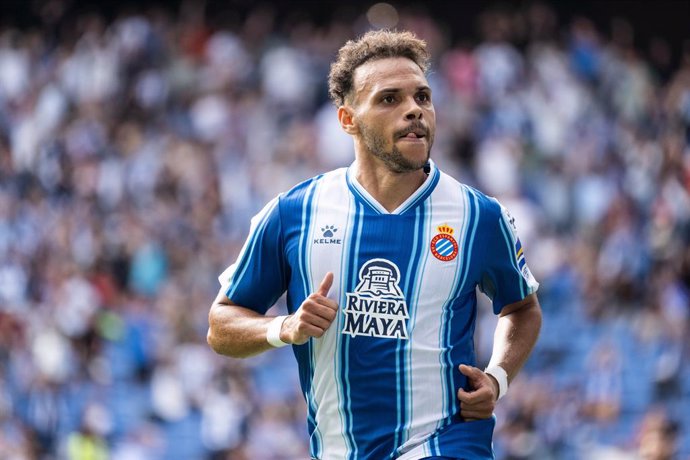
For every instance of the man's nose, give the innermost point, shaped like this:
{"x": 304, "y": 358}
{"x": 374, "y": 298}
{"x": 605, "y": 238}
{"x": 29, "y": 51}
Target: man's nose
{"x": 413, "y": 112}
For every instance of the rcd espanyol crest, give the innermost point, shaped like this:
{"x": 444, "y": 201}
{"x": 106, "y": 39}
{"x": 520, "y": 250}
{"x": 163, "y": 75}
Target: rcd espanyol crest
{"x": 443, "y": 245}
{"x": 377, "y": 308}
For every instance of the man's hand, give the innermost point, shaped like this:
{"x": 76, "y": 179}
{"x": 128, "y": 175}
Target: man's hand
{"x": 478, "y": 403}
{"x": 313, "y": 317}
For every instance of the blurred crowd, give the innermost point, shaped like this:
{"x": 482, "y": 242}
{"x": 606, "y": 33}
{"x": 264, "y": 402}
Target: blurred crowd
{"x": 135, "y": 149}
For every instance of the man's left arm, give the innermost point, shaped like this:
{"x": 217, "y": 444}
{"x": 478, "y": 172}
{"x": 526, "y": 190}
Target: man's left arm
{"x": 516, "y": 333}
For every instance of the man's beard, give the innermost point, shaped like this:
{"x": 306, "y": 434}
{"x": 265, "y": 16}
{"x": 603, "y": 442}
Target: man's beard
{"x": 394, "y": 159}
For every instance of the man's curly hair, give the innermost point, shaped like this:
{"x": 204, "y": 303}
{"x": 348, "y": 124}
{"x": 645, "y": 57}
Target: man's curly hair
{"x": 373, "y": 45}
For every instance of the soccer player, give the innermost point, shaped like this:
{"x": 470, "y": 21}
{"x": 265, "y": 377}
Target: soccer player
{"x": 380, "y": 262}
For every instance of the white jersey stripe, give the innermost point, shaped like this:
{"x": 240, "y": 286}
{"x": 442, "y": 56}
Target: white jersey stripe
{"x": 418, "y": 239}
{"x": 324, "y": 258}
{"x": 436, "y": 284}
{"x": 425, "y": 236}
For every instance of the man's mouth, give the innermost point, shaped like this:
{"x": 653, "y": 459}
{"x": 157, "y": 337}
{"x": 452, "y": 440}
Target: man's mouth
{"x": 416, "y": 133}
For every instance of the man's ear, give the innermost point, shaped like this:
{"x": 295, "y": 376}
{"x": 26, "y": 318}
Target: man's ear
{"x": 346, "y": 119}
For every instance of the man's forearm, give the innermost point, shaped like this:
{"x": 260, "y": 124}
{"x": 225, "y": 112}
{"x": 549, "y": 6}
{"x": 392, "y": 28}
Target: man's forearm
{"x": 240, "y": 332}
{"x": 516, "y": 334}
{"x": 236, "y": 331}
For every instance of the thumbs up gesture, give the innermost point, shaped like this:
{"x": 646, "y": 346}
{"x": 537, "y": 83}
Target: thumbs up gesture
{"x": 313, "y": 317}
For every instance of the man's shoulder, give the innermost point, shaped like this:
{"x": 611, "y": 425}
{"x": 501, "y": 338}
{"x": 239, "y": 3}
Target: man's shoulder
{"x": 303, "y": 190}
{"x": 482, "y": 200}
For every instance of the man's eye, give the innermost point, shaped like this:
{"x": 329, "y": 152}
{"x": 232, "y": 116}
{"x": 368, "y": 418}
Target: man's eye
{"x": 388, "y": 99}
{"x": 423, "y": 97}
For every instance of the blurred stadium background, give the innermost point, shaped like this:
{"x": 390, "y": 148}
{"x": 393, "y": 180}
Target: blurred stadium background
{"x": 138, "y": 138}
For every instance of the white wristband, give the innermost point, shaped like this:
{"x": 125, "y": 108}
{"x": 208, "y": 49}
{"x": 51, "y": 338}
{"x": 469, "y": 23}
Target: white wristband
{"x": 273, "y": 332}
{"x": 501, "y": 377}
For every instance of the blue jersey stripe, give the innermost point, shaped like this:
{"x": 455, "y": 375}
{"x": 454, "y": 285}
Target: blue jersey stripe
{"x": 399, "y": 392}
{"x": 355, "y": 263}
{"x": 314, "y": 434}
{"x": 399, "y": 395}
{"x": 436, "y": 450}
{"x": 310, "y": 233}
{"x": 304, "y": 238}
{"x": 474, "y": 219}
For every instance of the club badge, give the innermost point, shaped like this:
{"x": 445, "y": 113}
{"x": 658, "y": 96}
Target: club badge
{"x": 443, "y": 245}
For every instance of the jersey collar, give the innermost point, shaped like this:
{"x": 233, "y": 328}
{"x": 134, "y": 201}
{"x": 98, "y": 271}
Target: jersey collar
{"x": 413, "y": 200}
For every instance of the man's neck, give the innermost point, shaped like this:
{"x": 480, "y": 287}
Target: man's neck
{"x": 388, "y": 188}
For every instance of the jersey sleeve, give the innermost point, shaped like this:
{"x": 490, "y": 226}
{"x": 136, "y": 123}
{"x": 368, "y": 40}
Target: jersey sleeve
{"x": 506, "y": 277}
{"x": 259, "y": 275}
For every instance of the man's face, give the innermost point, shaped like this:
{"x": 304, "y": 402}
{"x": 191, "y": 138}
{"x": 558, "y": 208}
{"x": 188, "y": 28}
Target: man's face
{"x": 393, "y": 112}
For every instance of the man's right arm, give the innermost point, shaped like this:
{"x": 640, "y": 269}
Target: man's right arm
{"x": 240, "y": 332}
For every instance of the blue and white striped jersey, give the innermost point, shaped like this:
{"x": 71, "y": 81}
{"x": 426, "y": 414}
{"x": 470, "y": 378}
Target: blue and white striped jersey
{"x": 382, "y": 381}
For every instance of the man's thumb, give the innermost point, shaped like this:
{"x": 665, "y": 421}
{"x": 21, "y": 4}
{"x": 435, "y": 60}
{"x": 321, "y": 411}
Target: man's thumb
{"x": 472, "y": 373}
{"x": 325, "y": 285}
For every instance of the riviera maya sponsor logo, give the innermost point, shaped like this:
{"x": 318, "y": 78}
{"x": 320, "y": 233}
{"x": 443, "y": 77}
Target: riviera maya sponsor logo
{"x": 328, "y": 233}
{"x": 377, "y": 308}
{"x": 443, "y": 245}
